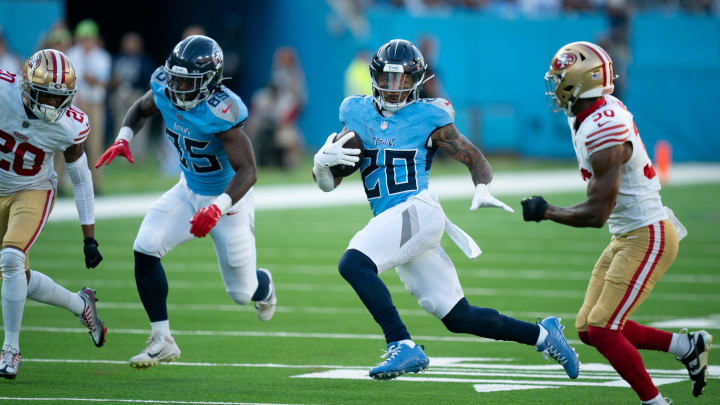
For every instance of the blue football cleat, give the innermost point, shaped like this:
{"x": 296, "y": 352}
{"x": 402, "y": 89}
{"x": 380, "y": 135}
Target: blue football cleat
{"x": 400, "y": 359}
{"x": 557, "y": 347}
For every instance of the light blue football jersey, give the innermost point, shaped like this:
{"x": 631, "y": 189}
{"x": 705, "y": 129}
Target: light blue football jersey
{"x": 202, "y": 155}
{"x": 397, "y": 154}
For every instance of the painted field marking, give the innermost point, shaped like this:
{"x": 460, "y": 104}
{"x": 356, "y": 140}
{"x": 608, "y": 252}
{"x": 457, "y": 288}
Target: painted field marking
{"x": 517, "y": 377}
{"x": 133, "y": 401}
{"x": 307, "y": 195}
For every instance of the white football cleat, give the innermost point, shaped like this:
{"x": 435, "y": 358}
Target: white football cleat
{"x": 90, "y": 318}
{"x": 265, "y": 309}
{"x": 9, "y": 362}
{"x": 158, "y": 349}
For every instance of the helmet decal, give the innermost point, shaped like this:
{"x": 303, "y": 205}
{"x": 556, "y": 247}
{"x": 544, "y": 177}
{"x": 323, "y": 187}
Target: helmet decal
{"x": 564, "y": 60}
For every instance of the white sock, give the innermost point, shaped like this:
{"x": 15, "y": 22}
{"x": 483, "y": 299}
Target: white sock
{"x": 43, "y": 289}
{"x": 161, "y": 328}
{"x": 408, "y": 342}
{"x": 14, "y": 291}
{"x": 658, "y": 400}
{"x": 679, "y": 345}
{"x": 541, "y": 337}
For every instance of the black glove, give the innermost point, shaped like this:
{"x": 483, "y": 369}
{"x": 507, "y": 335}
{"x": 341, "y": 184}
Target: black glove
{"x": 92, "y": 254}
{"x": 534, "y": 208}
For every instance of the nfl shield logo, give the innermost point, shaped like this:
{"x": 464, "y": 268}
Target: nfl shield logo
{"x": 383, "y": 125}
{"x": 179, "y": 117}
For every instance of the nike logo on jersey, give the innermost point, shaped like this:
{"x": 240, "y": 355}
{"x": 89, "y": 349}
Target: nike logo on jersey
{"x": 602, "y": 124}
{"x": 226, "y": 109}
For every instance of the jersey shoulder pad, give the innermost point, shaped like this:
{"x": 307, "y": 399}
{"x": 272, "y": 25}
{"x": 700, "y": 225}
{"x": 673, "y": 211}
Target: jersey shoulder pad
{"x": 9, "y": 88}
{"x": 438, "y": 111}
{"x": 157, "y": 80}
{"x": 227, "y": 108}
{"x": 351, "y": 106}
{"x": 605, "y": 128}
{"x": 77, "y": 124}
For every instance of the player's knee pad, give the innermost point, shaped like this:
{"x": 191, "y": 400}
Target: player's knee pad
{"x": 464, "y": 318}
{"x": 355, "y": 261}
{"x": 240, "y": 297}
{"x": 12, "y": 262}
{"x": 149, "y": 243}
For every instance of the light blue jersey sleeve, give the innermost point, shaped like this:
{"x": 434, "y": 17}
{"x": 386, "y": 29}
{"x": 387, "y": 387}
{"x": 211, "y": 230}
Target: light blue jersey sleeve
{"x": 226, "y": 109}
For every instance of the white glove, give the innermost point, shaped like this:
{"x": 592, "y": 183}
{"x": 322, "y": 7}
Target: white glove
{"x": 333, "y": 153}
{"x": 483, "y": 198}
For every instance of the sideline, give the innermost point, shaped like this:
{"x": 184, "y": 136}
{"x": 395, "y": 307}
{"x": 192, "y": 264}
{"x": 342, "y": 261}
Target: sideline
{"x": 307, "y": 195}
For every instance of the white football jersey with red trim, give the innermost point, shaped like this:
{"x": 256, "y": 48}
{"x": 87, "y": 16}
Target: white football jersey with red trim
{"x": 638, "y": 201}
{"x": 27, "y": 145}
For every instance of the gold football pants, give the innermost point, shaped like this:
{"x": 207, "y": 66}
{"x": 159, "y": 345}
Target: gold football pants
{"x": 625, "y": 274}
{"x": 23, "y": 216}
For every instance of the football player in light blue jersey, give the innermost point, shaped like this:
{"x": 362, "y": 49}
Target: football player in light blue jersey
{"x": 400, "y": 134}
{"x": 204, "y": 121}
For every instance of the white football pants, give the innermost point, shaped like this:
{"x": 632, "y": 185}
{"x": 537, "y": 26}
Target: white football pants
{"x": 407, "y": 237}
{"x": 167, "y": 224}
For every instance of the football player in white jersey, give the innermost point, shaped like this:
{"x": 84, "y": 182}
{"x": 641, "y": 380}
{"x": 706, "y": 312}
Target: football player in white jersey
{"x": 623, "y": 190}
{"x": 37, "y": 119}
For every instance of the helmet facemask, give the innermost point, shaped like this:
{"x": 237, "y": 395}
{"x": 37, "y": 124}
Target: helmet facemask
{"x": 48, "y": 103}
{"x": 393, "y": 89}
{"x": 187, "y": 90}
{"x": 552, "y": 83}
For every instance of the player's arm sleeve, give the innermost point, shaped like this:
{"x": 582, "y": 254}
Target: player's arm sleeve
{"x": 611, "y": 133}
{"x": 81, "y": 179}
{"x": 346, "y": 107}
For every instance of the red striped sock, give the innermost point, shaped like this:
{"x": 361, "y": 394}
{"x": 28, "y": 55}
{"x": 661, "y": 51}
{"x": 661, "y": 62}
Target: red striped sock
{"x": 645, "y": 337}
{"x": 625, "y": 359}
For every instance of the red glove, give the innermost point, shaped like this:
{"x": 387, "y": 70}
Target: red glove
{"x": 204, "y": 220}
{"x": 119, "y": 148}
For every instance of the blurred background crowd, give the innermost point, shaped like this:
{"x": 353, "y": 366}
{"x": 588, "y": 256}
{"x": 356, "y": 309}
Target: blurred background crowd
{"x": 293, "y": 62}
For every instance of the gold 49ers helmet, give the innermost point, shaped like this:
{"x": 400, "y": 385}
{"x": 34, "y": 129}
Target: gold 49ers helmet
{"x": 578, "y": 70}
{"x": 48, "y": 84}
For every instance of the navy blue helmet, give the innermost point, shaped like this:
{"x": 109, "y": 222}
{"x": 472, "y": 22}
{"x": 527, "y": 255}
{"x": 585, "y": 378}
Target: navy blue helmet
{"x": 398, "y": 72}
{"x": 193, "y": 71}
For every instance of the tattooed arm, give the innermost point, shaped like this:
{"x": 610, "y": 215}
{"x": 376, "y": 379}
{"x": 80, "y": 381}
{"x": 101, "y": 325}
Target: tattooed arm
{"x": 456, "y": 145}
{"x": 450, "y": 140}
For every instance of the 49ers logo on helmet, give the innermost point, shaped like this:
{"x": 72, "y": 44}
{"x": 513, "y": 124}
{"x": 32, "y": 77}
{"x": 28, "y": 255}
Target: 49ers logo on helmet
{"x": 564, "y": 60}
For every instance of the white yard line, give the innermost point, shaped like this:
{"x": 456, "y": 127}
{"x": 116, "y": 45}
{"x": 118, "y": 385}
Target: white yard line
{"x": 133, "y": 401}
{"x": 351, "y": 193}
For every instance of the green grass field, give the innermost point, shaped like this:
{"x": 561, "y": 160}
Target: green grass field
{"x": 527, "y": 270}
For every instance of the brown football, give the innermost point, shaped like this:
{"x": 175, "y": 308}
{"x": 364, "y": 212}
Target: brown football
{"x": 344, "y": 170}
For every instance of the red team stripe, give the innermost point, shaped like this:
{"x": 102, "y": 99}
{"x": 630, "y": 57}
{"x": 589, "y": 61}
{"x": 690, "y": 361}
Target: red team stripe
{"x": 55, "y": 66}
{"x": 79, "y": 138}
{"x": 600, "y": 53}
{"x": 618, "y": 140}
{"x": 655, "y": 262}
{"x": 642, "y": 274}
{"x": 605, "y": 130}
{"x": 84, "y": 131}
{"x": 46, "y": 213}
{"x": 62, "y": 72}
{"x": 604, "y": 136}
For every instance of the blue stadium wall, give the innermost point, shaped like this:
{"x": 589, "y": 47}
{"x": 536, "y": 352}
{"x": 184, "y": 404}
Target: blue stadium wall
{"x": 492, "y": 70}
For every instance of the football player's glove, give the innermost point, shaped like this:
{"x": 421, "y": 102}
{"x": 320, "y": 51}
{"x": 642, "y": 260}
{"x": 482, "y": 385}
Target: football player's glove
{"x": 92, "y": 254}
{"x": 121, "y": 147}
{"x": 333, "y": 153}
{"x": 534, "y": 208}
{"x": 204, "y": 220}
{"x": 483, "y": 198}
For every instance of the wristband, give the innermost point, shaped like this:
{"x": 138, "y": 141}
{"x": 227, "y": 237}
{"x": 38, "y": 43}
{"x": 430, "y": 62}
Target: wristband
{"x": 126, "y": 134}
{"x": 223, "y": 202}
